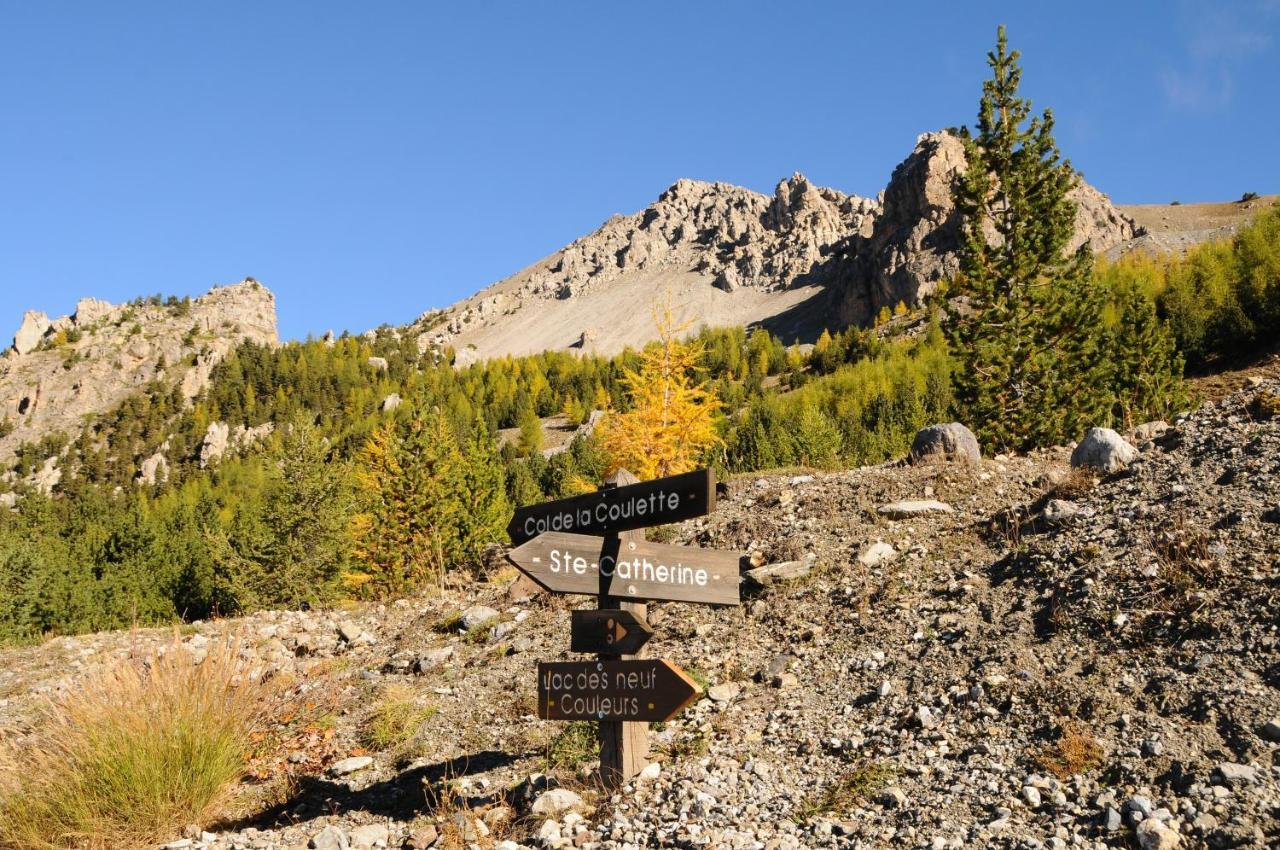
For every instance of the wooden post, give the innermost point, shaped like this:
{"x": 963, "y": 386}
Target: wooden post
{"x": 624, "y": 745}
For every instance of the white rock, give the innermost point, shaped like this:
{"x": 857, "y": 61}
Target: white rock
{"x": 329, "y": 838}
{"x": 390, "y": 403}
{"x": 913, "y": 508}
{"x": 370, "y": 835}
{"x": 651, "y": 771}
{"x": 378, "y": 363}
{"x": 876, "y": 554}
{"x": 350, "y": 765}
{"x": 557, "y": 802}
{"x": 1154, "y": 835}
{"x": 90, "y": 310}
{"x": 34, "y": 326}
{"x": 1103, "y": 449}
{"x": 477, "y": 615}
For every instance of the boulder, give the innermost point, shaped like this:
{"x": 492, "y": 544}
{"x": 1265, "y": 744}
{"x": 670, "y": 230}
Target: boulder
{"x": 477, "y": 615}
{"x": 47, "y": 476}
{"x": 32, "y": 331}
{"x": 379, "y": 363}
{"x": 951, "y": 441}
{"x": 1104, "y": 450}
{"x": 464, "y": 357}
{"x": 557, "y": 802}
{"x": 390, "y": 403}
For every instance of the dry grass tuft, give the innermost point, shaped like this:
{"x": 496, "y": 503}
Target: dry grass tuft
{"x": 395, "y": 719}
{"x": 1076, "y": 483}
{"x": 1075, "y": 751}
{"x": 847, "y": 792}
{"x": 134, "y": 753}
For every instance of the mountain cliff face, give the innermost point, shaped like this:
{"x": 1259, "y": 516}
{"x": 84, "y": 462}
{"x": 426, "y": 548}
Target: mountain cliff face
{"x": 914, "y": 242}
{"x": 803, "y": 259}
{"x": 61, "y": 371}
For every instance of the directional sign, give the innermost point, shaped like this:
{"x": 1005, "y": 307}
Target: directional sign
{"x": 609, "y": 632}
{"x": 643, "y": 690}
{"x": 672, "y": 499}
{"x": 577, "y": 563}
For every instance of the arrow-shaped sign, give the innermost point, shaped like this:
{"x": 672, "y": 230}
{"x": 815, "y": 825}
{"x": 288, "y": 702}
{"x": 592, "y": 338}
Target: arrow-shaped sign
{"x": 608, "y": 632}
{"x": 644, "y": 690}
{"x": 578, "y": 563}
{"x": 658, "y": 502}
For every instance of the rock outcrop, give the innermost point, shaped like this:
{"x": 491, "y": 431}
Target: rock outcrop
{"x": 60, "y": 372}
{"x": 916, "y": 237}
{"x": 220, "y": 438}
{"x": 795, "y": 261}
{"x": 34, "y": 326}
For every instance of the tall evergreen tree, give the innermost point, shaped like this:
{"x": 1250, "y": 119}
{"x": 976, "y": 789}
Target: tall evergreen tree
{"x": 1030, "y": 339}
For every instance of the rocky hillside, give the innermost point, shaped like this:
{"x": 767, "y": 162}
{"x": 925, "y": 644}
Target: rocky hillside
{"x": 803, "y": 259}
{"x": 1010, "y": 653}
{"x": 1169, "y": 228}
{"x": 60, "y": 372}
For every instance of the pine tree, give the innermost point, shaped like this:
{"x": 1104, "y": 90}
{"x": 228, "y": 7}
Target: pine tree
{"x": 672, "y": 422}
{"x": 1030, "y": 339}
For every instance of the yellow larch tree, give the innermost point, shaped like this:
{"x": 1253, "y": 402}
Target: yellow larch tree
{"x": 672, "y": 420}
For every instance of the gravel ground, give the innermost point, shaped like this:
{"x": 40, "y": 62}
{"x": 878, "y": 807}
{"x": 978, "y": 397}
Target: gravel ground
{"x": 1058, "y": 660}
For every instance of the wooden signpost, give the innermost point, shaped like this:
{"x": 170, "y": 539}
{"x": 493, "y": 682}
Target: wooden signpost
{"x": 578, "y": 563}
{"x": 608, "y": 632}
{"x": 620, "y": 507}
{"x": 639, "y": 690}
{"x": 590, "y": 545}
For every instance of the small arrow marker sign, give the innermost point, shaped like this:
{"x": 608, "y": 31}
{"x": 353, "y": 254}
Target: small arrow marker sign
{"x": 644, "y": 690}
{"x": 658, "y": 502}
{"x": 608, "y": 632}
{"x": 578, "y": 563}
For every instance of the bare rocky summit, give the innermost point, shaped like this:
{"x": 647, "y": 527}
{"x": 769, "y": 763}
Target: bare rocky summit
{"x": 60, "y": 371}
{"x": 797, "y": 261}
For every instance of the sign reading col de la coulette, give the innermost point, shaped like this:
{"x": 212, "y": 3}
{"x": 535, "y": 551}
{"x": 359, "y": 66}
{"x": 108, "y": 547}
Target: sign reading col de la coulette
{"x": 672, "y": 499}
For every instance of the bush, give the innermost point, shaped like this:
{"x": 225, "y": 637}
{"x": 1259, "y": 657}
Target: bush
{"x": 133, "y": 754}
{"x": 1221, "y": 300}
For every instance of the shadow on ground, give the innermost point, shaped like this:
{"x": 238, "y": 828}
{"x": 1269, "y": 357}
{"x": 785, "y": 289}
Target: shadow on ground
{"x": 407, "y": 795}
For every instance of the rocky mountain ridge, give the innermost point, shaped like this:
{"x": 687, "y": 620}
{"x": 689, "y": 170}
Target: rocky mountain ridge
{"x": 61, "y": 371}
{"x": 797, "y": 261}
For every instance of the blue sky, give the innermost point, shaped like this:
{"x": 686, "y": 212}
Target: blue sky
{"x": 367, "y": 161}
